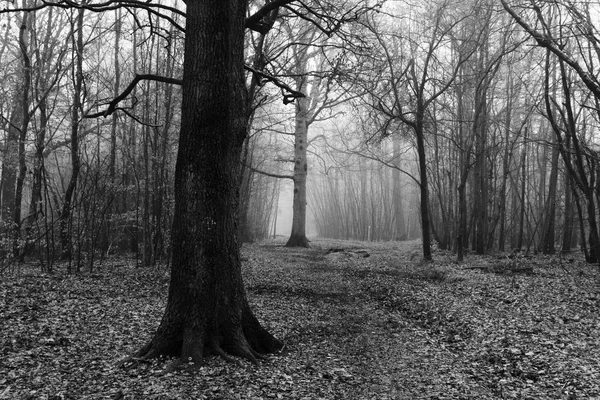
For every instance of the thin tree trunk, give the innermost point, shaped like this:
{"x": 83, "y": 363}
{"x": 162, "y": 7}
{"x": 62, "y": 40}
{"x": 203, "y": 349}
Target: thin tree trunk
{"x": 567, "y": 242}
{"x": 65, "y": 216}
{"x": 423, "y": 188}
{"x": 522, "y": 195}
{"x": 24, "y": 126}
{"x": 480, "y": 181}
{"x": 548, "y": 235}
{"x": 399, "y": 226}
{"x": 298, "y": 235}
{"x": 112, "y": 166}
{"x": 506, "y": 162}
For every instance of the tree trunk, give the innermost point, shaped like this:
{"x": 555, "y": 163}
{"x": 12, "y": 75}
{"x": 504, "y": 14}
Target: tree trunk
{"x": 523, "y": 166}
{"x": 112, "y": 166}
{"x": 480, "y": 209}
{"x": 298, "y": 235}
{"x": 65, "y": 216}
{"x": 35, "y": 205}
{"x": 24, "y": 126}
{"x": 506, "y": 161}
{"x": 424, "y": 191}
{"x": 207, "y": 310}
{"x": 146, "y": 229}
{"x": 548, "y": 235}
{"x": 399, "y": 225}
{"x": 567, "y": 242}
{"x": 9, "y": 170}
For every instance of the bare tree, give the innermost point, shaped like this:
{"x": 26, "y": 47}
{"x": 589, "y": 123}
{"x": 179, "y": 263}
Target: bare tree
{"x": 410, "y": 90}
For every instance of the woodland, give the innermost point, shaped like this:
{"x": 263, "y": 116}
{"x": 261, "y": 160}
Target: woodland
{"x": 445, "y": 153}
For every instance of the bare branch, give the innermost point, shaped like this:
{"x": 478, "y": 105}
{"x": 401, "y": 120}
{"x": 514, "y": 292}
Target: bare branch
{"x": 291, "y": 93}
{"x": 112, "y": 106}
{"x": 278, "y": 176}
{"x": 548, "y": 42}
{"x": 152, "y": 8}
{"x": 255, "y": 21}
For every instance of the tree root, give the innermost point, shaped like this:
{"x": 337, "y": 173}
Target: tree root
{"x": 297, "y": 241}
{"x": 190, "y": 357}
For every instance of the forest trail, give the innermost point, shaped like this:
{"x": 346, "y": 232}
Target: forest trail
{"x": 493, "y": 327}
{"x": 359, "y": 321}
{"x": 372, "y": 352}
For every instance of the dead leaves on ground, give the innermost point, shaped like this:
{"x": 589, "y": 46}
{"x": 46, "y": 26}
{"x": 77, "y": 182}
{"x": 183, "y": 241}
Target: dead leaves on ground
{"x": 384, "y": 326}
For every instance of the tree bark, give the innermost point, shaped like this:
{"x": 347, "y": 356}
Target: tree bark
{"x": 423, "y": 187}
{"x": 65, "y": 215}
{"x": 298, "y": 235}
{"x": 522, "y": 197}
{"x": 207, "y": 309}
{"x": 567, "y": 241}
{"x": 399, "y": 225}
{"x": 548, "y": 235}
{"x": 480, "y": 187}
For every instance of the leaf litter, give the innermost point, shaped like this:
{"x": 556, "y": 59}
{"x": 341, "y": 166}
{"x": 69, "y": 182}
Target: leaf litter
{"x": 362, "y": 321}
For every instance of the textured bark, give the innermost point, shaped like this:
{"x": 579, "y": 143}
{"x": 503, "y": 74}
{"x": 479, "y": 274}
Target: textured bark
{"x": 207, "y": 310}
{"x": 9, "y": 169}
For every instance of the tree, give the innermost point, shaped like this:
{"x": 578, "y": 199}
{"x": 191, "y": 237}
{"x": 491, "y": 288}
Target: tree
{"x": 315, "y": 60}
{"x": 572, "y": 39}
{"x": 78, "y": 47}
{"x": 410, "y": 85}
{"x": 207, "y": 308}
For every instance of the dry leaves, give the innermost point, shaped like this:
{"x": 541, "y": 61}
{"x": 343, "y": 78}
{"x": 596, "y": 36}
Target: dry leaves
{"x": 382, "y": 326}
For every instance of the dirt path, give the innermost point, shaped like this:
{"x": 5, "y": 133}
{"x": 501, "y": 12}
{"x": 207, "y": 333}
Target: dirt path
{"x": 372, "y": 351}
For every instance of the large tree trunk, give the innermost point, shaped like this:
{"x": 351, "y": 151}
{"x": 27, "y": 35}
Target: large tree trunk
{"x": 207, "y": 310}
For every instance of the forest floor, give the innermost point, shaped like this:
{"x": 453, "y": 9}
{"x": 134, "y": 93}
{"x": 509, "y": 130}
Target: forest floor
{"x": 360, "y": 321}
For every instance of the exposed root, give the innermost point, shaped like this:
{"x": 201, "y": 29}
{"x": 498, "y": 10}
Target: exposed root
{"x": 142, "y": 356}
{"x": 221, "y": 353}
{"x": 245, "y": 352}
{"x": 190, "y": 344}
{"x": 297, "y": 241}
{"x": 180, "y": 364}
{"x": 257, "y": 338}
{"x": 258, "y": 356}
